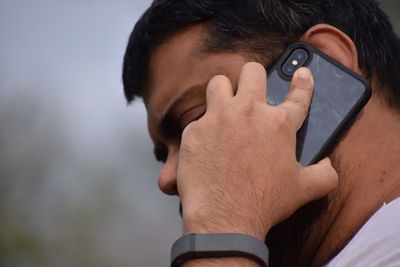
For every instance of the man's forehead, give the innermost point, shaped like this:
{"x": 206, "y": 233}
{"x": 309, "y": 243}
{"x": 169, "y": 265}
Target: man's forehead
{"x": 166, "y": 59}
{"x": 169, "y": 63}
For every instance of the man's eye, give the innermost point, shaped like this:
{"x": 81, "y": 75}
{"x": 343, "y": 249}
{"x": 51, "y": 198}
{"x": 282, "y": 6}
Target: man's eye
{"x": 192, "y": 115}
{"x": 161, "y": 153}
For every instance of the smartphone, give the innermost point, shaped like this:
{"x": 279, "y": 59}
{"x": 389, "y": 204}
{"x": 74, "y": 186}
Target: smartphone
{"x": 339, "y": 96}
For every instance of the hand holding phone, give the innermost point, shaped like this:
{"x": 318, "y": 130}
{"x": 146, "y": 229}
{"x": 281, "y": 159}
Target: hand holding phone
{"x": 237, "y": 163}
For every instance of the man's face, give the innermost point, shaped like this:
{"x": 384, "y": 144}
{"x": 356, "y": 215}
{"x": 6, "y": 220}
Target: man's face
{"x": 178, "y": 78}
{"x": 175, "y": 96}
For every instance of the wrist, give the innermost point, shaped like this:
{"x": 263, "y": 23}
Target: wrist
{"x": 210, "y": 225}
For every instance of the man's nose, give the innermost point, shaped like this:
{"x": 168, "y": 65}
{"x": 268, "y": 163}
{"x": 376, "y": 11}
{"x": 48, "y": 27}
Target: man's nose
{"x": 168, "y": 172}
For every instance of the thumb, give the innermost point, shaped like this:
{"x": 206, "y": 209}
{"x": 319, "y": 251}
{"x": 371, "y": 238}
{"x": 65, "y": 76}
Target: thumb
{"x": 318, "y": 180}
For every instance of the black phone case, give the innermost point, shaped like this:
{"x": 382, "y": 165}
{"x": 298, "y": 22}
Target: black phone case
{"x": 339, "y": 96}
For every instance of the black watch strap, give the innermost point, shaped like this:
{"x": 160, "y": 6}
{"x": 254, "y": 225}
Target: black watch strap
{"x": 196, "y": 246}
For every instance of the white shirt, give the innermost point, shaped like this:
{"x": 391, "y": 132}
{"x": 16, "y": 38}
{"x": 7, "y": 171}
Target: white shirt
{"x": 377, "y": 243}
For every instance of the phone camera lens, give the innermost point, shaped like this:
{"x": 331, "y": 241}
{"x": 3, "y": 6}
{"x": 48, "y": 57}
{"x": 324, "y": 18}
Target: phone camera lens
{"x": 296, "y": 60}
{"x": 290, "y": 69}
{"x": 300, "y": 55}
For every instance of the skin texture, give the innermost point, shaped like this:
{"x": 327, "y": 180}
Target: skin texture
{"x": 204, "y": 108}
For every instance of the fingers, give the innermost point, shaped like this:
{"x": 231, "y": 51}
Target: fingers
{"x": 253, "y": 82}
{"x": 299, "y": 98}
{"x": 219, "y": 88}
{"x": 318, "y": 180}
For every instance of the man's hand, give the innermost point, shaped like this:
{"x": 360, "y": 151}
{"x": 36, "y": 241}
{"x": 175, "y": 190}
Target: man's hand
{"x": 237, "y": 169}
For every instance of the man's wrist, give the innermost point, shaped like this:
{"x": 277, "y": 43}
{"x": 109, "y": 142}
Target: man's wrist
{"x": 203, "y": 224}
{"x": 204, "y": 227}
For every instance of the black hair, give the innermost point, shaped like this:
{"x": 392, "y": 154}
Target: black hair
{"x": 259, "y": 26}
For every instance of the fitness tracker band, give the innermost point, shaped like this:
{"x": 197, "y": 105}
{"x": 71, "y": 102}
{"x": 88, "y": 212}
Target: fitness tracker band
{"x": 197, "y": 246}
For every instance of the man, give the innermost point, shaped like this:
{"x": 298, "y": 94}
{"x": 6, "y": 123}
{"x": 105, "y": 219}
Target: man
{"x": 230, "y": 157}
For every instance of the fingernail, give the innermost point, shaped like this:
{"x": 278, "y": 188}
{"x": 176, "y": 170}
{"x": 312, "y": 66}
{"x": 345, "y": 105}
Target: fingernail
{"x": 304, "y": 73}
{"x": 305, "y": 76}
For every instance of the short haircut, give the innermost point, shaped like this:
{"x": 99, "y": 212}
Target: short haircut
{"x": 266, "y": 27}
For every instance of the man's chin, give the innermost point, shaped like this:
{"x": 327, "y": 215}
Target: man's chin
{"x": 294, "y": 242}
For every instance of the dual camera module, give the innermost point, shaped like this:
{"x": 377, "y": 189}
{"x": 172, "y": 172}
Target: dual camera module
{"x": 295, "y": 61}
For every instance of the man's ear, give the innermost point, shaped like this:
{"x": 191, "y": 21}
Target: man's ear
{"x": 334, "y": 43}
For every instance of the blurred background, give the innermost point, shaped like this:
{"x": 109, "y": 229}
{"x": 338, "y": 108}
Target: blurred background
{"x": 77, "y": 174}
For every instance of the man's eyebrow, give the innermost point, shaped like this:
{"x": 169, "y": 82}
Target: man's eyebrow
{"x": 169, "y": 122}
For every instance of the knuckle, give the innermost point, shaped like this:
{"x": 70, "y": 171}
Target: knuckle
{"x": 334, "y": 175}
{"x": 282, "y": 119}
{"x": 249, "y": 108}
{"x": 300, "y": 103}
